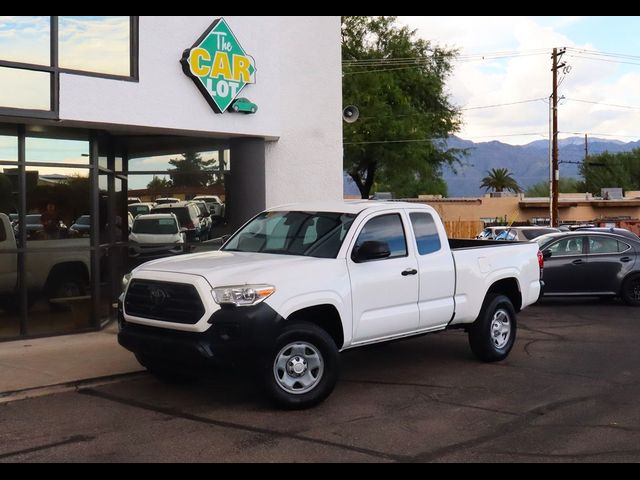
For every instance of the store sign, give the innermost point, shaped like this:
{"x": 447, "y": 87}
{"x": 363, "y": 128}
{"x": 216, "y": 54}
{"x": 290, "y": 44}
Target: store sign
{"x": 220, "y": 68}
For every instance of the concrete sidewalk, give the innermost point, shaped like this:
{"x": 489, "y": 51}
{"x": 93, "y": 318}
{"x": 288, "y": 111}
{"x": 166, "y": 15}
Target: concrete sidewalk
{"x": 38, "y": 367}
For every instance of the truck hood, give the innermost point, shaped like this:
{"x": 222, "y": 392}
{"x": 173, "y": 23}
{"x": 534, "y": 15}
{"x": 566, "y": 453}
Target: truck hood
{"x": 230, "y": 268}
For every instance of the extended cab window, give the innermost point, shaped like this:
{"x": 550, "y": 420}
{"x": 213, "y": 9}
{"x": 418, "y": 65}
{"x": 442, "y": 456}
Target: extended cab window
{"x": 424, "y": 228}
{"x": 385, "y": 228}
{"x": 600, "y": 245}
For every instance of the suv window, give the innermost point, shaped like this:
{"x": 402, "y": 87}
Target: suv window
{"x": 600, "y": 245}
{"x": 385, "y": 228}
{"x": 566, "y": 247}
{"x": 426, "y": 232}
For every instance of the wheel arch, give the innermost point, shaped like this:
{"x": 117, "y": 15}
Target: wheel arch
{"x": 510, "y": 288}
{"x": 325, "y": 316}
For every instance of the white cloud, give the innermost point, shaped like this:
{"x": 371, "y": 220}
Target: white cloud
{"x": 514, "y": 79}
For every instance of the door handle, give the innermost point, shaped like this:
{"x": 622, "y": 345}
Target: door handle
{"x": 409, "y": 271}
{"x": 578, "y": 262}
{"x": 625, "y": 259}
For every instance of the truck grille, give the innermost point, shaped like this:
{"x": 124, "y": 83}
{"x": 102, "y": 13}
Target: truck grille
{"x": 164, "y": 301}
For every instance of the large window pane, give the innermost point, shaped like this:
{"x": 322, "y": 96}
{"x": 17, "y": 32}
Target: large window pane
{"x": 59, "y": 291}
{"x": 97, "y": 44}
{"x": 9, "y": 299}
{"x": 58, "y": 208}
{"x": 8, "y": 145}
{"x": 25, "y": 89}
{"x": 25, "y": 39}
{"x": 71, "y": 151}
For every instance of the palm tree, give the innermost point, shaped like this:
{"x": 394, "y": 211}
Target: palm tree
{"x": 500, "y": 179}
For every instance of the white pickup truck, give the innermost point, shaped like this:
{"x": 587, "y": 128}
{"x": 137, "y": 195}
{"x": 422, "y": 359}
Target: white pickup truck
{"x": 298, "y": 284}
{"x": 56, "y": 274}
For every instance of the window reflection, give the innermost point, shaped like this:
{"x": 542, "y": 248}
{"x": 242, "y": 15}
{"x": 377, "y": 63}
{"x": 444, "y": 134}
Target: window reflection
{"x": 25, "y": 39}
{"x": 9, "y": 299}
{"x": 58, "y": 207}
{"x": 26, "y": 89}
{"x": 97, "y": 44}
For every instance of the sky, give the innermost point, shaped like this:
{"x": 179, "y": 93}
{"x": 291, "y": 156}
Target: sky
{"x": 526, "y": 76}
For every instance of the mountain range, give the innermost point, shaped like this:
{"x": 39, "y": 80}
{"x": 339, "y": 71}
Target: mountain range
{"x": 528, "y": 163}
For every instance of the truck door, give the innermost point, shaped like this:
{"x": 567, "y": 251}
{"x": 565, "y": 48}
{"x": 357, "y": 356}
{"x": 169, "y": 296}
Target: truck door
{"x": 437, "y": 272}
{"x": 8, "y": 261}
{"x": 385, "y": 290}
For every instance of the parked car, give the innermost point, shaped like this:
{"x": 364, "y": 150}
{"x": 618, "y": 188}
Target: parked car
{"x": 140, "y": 208}
{"x": 82, "y": 226}
{"x": 591, "y": 263}
{"x": 298, "y": 284}
{"x": 524, "y": 234}
{"x": 214, "y": 204}
{"x": 490, "y": 233}
{"x": 164, "y": 201}
{"x": 131, "y": 200}
{"x": 188, "y": 216}
{"x": 618, "y": 231}
{"x": 156, "y": 235}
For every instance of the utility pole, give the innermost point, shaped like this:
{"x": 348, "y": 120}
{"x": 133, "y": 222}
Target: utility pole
{"x": 586, "y": 163}
{"x": 555, "y": 169}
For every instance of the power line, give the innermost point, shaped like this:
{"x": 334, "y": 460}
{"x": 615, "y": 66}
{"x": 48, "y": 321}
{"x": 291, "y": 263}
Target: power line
{"x": 604, "y": 54}
{"x": 602, "y": 134}
{"x": 544, "y": 99}
{"x": 603, "y": 103}
{"x": 602, "y": 59}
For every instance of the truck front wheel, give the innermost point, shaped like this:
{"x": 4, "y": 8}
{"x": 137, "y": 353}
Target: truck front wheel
{"x": 493, "y": 334}
{"x": 303, "y": 367}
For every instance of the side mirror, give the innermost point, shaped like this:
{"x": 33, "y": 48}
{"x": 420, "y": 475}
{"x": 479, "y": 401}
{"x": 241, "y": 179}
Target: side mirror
{"x": 371, "y": 250}
{"x": 184, "y": 230}
{"x": 547, "y": 254}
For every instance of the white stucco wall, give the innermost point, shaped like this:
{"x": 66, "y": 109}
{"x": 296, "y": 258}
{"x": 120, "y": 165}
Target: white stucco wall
{"x": 298, "y": 91}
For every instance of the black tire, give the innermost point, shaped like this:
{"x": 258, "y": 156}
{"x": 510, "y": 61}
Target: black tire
{"x": 163, "y": 372}
{"x": 486, "y": 346}
{"x": 631, "y": 290}
{"x": 319, "y": 341}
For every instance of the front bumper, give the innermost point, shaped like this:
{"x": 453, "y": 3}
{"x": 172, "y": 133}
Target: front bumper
{"x": 237, "y": 336}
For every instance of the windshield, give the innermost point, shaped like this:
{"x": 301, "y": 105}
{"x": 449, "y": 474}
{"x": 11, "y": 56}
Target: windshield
{"x": 310, "y": 234}
{"x": 84, "y": 220}
{"x": 139, "y": 209}
{"x": 155, "y": 226}
{"x": 33, "y": 219}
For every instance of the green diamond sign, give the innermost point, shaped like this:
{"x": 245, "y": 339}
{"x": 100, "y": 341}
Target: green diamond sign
{"x": 220, "y": 68}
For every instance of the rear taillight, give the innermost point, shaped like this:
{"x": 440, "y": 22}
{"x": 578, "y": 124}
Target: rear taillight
{"x": 540, "y": 260}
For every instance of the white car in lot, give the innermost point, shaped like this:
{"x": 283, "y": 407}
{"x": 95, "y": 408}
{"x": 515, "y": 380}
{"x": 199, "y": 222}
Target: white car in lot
{"x": 300, "y": 283}
{"x": 214, "y": 204}
{"x": 156, "y": 235}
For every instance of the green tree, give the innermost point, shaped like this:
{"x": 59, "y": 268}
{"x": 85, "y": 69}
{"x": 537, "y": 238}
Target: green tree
{"x": 612, "y": 170}
{"x": 565, "y": 185}
{"x": 191, "y": 171}
{"x": 157, "y": 186}
{"x": 405, "y": 112}
{"x": 500, "y": 179}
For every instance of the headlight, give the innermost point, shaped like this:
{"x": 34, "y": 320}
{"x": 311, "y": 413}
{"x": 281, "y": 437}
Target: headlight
{"x": 242, "y": 295}
{"x": 125, "y": 281}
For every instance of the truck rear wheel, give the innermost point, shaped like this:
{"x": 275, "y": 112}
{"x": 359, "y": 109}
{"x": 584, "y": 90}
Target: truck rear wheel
{"x": 631, "y": 290}
{"x": 303, "y": 367}
{"x": 493, "y": 334}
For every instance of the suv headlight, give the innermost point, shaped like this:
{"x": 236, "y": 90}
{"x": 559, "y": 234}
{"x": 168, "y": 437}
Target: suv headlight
{"x": 242, "y": 295}
{"x": 125, "y": 281}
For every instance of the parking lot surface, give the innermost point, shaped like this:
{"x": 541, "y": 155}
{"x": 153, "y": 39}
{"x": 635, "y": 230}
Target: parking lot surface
{"x": 568, "y": 392}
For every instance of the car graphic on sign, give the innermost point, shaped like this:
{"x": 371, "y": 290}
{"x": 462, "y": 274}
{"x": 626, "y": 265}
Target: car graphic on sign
{"x": 244, "y": 105}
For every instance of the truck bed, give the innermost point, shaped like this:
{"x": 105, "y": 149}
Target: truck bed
{"x": 461, "y": 243}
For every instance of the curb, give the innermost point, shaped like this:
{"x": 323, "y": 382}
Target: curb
{"x": 76, "y": 385}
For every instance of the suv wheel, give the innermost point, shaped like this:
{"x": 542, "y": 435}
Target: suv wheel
{"x": 631, "y": 290}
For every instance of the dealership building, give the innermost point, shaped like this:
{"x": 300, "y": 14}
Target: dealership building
{"x": 92, "y": 108}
